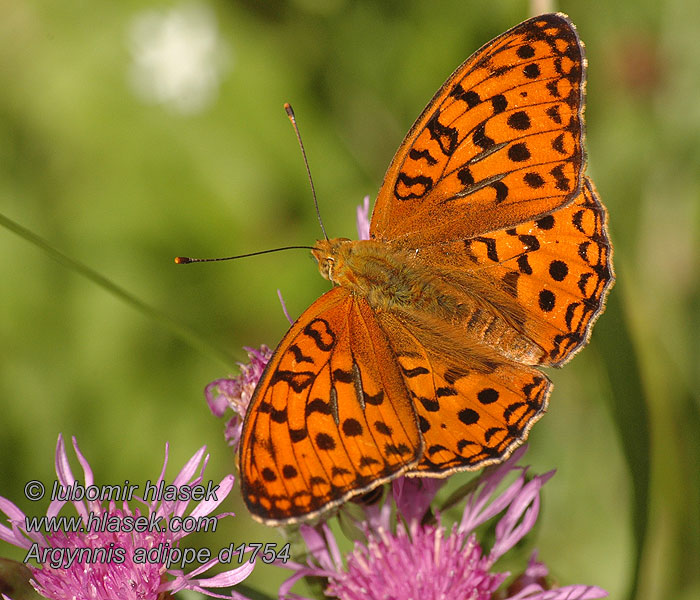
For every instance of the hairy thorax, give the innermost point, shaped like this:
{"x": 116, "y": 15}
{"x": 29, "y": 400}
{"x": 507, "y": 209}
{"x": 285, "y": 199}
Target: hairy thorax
{"x": 386, "y": 279}
{"x": 397, "y": 281}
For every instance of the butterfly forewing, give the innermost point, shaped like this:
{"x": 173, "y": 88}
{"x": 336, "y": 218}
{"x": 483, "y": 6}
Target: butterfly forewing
{"x": 331, "y": 416}
{"x": 500, "y": 143}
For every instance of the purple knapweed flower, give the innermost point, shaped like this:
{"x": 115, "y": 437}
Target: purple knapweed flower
{"x": 119, "y": 552}
{"x": 235, "y": 392}
{"x": 363, "y": 218}
{"x": 416, "y": 561}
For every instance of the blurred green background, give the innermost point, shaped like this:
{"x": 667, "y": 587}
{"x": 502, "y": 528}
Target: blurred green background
{"x": 135, "y": 131}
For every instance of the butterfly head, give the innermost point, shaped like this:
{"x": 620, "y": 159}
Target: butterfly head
{"x": 330, "y": 255}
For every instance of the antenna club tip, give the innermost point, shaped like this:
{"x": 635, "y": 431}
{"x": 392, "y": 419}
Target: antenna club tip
{"x": 182, "y": 260}
{"x": 289, "y": 110}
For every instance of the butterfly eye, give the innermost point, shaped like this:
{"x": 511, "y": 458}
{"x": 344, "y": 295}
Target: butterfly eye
{"x": 325, "y": 265}
{"x": 330, "y": 263}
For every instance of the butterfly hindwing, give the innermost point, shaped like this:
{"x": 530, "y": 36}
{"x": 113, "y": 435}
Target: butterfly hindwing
{"x": 475, "y": 419}
{"x": 564, "y": 278}
{"x": 473, "y": 406}
{"x": 330, "y": 417}
{"x": 499, "y": 144}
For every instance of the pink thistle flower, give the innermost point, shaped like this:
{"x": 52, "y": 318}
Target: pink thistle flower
{"x": 102, "y": 562}
{"x": 235, "y": 392}
{"x": 413, "y": 561}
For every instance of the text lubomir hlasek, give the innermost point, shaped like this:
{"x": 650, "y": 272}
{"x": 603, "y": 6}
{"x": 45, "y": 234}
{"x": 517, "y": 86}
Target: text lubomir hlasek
{"x": 153, "y": 492}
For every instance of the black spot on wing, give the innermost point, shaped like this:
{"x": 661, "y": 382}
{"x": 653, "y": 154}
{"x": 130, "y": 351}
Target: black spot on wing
{"x": 447, "y": 137}
{"x": 524, "y": 265}
{"x": 325, "y": 441}
{"x": 545, "y": 223}
{"x": 278, "y": 416}
{"x": 519, "y": 120}
{"x": 553, "y": 113}
{"x": 416, "y": 187}
{"x": 468, "y": 416}
{"x": 519, "y": 152}
{"x": 470, "y": 97}
{"x": 297, "y": 435}
{"x": 533, "y": 180}
{"x": 320, "y": 332}
{"x": 297, "y": 381}
{"x": 342, "y": 376}
{"x": 546, "y": 300}
{"x": 525, "y": 51}
{"x": 375, "y": 400}
{"x": 558, "y": 270}
{"x": 488, "y": 396}
{"x": 491, "y": 249}
{"x": 352, "y": 428}
{"x": 465, "y": 176}
{"x": 415, "y": 372}
{"x": 299, "y": 356}
{"x": 501, "y": 191}
{"x": 531, "y": 71}
{"x": 530, "y": 242}
{"x": 562, "y": 181}
{"x": 422, "y": 154}
{"x": 480, "y": 138}
{"x": 499, "y": 103}
{"x": 319, "y": 406}
{"x": 558, "y": 144}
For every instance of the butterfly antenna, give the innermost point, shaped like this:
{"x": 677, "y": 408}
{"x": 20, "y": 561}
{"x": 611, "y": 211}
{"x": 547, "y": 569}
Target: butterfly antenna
{"x": 292, "y": 118}
{"x": 183, "y": 260}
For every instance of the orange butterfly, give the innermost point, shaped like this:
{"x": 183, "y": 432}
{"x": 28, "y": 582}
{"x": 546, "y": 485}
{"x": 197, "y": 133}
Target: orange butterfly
{"x": 488, "y": 256}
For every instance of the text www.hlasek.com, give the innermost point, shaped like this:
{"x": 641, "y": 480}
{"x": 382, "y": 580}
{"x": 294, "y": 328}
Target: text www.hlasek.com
{"x": 122, "y": 523}
{"x": 163, "y": 553}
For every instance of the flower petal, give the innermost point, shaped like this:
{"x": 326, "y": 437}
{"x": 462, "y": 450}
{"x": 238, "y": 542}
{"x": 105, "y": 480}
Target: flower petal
{"x": 225, "y": 579}
{"x": 520, "y": 516}
{"x": 16, "y": 534}
{"x": 363, "y": 219}
{"x": 284, "y": 310}
{"x": 569, "y": 592}
{"x": 216, "y": 394}
{"x": 413, "y": 495}
{"x": 316, "y": 543}
{"x": 207, "y": 506}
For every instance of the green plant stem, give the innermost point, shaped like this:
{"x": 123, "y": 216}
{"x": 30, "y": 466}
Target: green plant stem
{"x": 184, "y": 332}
